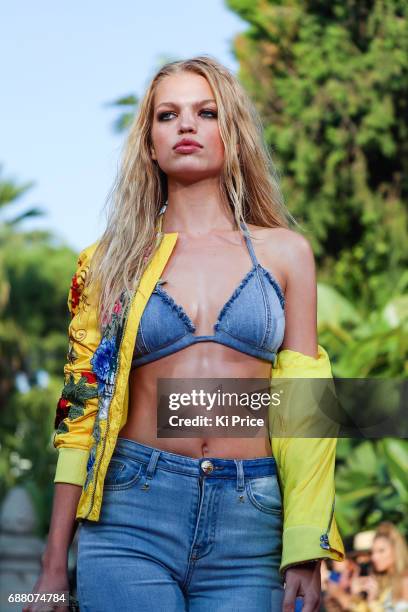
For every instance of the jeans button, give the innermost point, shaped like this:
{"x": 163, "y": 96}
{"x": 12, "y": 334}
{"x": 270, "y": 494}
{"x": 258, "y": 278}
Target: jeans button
{"x": 207, "y": 466}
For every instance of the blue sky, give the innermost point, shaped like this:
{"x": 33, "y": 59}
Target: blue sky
{"x": 63, "y": 63}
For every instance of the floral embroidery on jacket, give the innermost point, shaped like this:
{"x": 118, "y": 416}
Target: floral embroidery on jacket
{"x": 74, "y": 395}
{"x": 79, "y": 392}
{"x": 72, "y": 355}
{"x": 76, "y": 295}
{"x": 62, "y": 413}
{"x": 105, "y": 362}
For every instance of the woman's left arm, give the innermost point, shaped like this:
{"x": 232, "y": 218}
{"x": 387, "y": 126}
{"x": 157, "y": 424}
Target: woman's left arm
{"x": 300, "y": 296}
{"x": 305, "y": 464}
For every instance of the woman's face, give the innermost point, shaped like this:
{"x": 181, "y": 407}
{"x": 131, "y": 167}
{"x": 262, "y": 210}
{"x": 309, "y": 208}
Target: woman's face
{"x": 382, "y": 555}
{"x": 184, "y": 107}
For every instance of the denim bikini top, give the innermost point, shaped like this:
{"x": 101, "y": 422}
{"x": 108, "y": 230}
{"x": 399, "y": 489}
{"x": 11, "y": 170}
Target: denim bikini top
{"x": 251, "y": 321}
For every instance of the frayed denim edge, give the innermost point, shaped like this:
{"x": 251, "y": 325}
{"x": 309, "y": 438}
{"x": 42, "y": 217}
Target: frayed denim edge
{"x": 234, "y": 296}
{"x": 276, "y": 286}
{"x": 180, "y": 311}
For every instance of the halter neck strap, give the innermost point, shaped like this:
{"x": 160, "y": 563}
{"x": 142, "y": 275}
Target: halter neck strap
{"x": 244, "y": 227}
{"x": 249, "y": 243}
{"x": 159, "y": 224}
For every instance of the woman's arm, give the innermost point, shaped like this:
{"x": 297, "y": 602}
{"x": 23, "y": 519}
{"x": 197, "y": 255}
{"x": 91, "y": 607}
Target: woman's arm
{"x": 75, "y": 415}
{"x": 54, "y": 562}
{"x": 62, "y": 527}
{"x": 300, "y": 296}
{"x": 78, "y": 404}
{"x": 305, "y": 464}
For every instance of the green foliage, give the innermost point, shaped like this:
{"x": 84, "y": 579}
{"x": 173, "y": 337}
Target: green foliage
{"x": 128, "y": 105}
{"x": 35, "y": 316}
{"x": 27, "y": 455}
{"x": 375, "y": 345}
{"x": 10, "y": 192}
{"x": 38, "y": 272}
{"x": 35, "y": 274}
{"x": 372, "y": 484}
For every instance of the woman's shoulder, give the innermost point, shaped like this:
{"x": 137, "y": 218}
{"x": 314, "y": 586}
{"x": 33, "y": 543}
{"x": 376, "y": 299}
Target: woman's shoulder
{"x": 87, "y": 252}
{"x": 291, "y": 249}
{"x": 284, "y": 237}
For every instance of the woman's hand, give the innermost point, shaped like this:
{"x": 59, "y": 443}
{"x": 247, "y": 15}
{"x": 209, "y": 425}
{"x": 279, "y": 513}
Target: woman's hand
{"x": 49, "y": 581}
{"x": 303, "y": 580}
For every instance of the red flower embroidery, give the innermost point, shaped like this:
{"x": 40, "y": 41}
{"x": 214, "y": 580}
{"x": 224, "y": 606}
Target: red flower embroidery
{"x": 90, "y": 377}
{"x": 75, "y": 293}
{"x": 117, "y": 309}
{"x": 63, "y": 407}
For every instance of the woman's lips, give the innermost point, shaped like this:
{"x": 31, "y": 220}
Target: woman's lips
{"x": 187, "y": 148}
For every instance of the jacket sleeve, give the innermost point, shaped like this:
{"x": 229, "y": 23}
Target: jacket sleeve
{"x": 78, "y": 404}
{"x": 305, "y": 463}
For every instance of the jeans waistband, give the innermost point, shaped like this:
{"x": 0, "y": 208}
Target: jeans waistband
{"x": 211, "y": 467}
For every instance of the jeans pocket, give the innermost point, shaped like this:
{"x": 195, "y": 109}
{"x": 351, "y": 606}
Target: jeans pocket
{"x": 122, "y": 473}
{"x": 264, "y": 493}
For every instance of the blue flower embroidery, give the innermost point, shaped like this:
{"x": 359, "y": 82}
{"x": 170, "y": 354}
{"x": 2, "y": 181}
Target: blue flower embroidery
{"x": 104, "y": 364}
{"x": 91, "y": 460}
{"x": 104, "y": 361}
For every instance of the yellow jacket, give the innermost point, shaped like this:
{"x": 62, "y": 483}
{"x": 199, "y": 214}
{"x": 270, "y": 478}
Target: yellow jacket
{"x": 93, "y": 408}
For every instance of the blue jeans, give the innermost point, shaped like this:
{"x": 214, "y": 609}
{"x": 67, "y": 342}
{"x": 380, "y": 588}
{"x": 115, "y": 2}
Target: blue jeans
{"x": 180, "y": 534}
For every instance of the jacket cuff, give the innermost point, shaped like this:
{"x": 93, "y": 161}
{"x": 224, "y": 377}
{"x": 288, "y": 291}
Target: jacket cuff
{"x": 71, "y": 465}
{"x": 302, "y": 543}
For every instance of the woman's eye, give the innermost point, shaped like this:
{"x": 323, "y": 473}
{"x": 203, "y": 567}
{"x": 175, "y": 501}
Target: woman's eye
{"x": 211, "y": 112}
{"x": 162, "y": 116}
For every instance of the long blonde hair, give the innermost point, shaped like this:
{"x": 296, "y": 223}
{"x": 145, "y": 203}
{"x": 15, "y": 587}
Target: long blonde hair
{"x": 249, "y": 183}
{"x": 393, "y": 579}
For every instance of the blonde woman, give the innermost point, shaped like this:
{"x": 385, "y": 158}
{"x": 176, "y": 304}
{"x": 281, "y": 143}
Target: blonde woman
{"x": 197, "y": 275}
{"x": 386, "y": 587}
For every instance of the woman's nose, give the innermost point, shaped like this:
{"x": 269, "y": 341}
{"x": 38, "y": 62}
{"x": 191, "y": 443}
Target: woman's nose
{"x": 187, "y": 123}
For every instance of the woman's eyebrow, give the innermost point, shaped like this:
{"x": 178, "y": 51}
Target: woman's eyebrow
{"x": 194, "y": 104}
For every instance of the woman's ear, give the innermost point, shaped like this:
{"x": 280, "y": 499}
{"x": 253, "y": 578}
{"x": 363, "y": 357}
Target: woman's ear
{"x": 153, "y": 154}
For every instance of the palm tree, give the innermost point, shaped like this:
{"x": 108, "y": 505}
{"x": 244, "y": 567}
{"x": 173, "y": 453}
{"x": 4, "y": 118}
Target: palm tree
{"x": 11, "y": 338}
{"x": 10, "y": 193}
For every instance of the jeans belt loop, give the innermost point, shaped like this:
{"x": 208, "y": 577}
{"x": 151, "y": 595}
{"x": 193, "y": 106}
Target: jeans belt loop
{"x": 240, "y": 475}
{"x": 154, "y": 457}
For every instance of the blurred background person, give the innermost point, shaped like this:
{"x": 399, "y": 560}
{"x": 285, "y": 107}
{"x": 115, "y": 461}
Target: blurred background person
{"x": 373, "y": 582}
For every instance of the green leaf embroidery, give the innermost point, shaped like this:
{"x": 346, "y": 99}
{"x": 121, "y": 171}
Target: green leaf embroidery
{"x": 78, "y": 393}
{"x": 62, "y": 428}
{"x": 75, "y": 411}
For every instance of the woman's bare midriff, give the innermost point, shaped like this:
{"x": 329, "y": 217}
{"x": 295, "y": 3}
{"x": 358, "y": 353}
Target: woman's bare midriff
{"x": 200, "y": 275}
{"x": 211, "y": 360}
